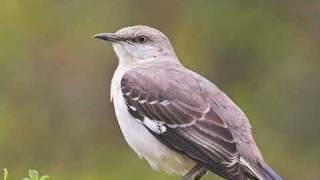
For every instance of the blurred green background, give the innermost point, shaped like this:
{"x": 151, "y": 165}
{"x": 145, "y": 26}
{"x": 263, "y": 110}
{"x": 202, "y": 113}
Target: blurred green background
{"x": 55, "y": 113}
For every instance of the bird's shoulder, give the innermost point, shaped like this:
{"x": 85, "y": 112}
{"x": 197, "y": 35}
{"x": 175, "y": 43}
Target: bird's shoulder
{"x": 166, "y": 81}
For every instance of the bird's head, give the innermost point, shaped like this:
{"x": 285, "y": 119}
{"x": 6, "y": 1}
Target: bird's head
{"x": 139, "y": 44}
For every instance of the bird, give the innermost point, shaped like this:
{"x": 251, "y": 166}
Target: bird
{"x": 174, "y": 118}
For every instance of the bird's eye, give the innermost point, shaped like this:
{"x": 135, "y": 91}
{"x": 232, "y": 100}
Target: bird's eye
{"x": 140, "y": 39}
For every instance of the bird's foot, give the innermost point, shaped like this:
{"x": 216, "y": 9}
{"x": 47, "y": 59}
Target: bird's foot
{"x": 197, "y": 172}
{"x": 200, "y": 174}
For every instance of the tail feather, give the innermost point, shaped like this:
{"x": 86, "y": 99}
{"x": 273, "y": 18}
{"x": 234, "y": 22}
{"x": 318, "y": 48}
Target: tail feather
{"x": 259, "y": 171}
{"x": 267, "y": 172}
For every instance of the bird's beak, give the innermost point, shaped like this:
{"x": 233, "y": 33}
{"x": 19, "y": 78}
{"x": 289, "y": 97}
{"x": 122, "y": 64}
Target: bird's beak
{"x": 112, "y": 37}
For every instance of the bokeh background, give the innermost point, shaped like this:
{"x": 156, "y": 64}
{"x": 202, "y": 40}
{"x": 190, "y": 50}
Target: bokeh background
{"x": 55, "y": 113}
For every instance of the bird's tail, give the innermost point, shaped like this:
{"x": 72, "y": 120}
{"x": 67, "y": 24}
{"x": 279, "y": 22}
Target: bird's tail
{"x": 260, "y": 171}
{"x": 267, "y": 172}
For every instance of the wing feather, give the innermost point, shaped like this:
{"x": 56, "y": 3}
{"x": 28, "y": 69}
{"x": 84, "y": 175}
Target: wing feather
{"x": 191, "y": 127}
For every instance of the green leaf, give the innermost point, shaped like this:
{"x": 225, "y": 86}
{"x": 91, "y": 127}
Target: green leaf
{"x": 33, "y": 175}
{"x": 6, "y": 174}
{"x": 44, "y": 178}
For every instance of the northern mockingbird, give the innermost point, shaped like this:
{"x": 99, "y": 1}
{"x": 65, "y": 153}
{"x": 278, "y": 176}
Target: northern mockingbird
{"x": 173, "y": 117}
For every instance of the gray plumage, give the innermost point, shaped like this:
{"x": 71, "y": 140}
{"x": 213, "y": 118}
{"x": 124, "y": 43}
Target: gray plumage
{"x": 182, "y": 110}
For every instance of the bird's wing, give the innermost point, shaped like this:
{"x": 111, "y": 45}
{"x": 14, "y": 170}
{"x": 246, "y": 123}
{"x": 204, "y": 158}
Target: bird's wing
{"x": 170, "y": 104}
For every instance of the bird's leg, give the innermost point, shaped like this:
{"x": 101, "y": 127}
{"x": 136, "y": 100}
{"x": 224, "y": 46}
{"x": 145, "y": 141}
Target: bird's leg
{"x": 200, "y": 174}
{"x": 197, "y": 170}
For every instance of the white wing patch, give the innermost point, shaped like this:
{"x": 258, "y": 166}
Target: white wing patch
{"x": 155, "y": 126}
{"x": 132, "y": 108}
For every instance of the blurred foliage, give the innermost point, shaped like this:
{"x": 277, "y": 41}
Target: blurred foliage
{"x": 55, "y": 114}
{"x": 5, "y": 174}
{"x": 33, "y": 175}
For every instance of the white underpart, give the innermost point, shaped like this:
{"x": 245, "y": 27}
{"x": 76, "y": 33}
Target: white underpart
{"x": 140, "y": 139}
